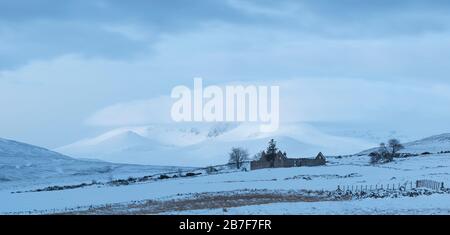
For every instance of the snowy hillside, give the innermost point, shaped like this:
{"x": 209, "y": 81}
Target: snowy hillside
{"x": 13, "y": 150}
{"x": 206, "y": 144}
{"x": 24, "y": 164}
{"x": 432, "y": 144}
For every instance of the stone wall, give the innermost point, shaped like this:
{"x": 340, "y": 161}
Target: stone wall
{"x": 311, "y": 162}
{"x": 255, "y": 165}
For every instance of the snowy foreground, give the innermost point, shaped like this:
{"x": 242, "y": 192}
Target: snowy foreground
{"x": 270, "y": 191}
{"x": 429, "y": 205}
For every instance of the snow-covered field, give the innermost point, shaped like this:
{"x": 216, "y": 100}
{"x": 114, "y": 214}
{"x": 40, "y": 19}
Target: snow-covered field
{"x": 328, "y": 177}
{"x": 343, "y": 171}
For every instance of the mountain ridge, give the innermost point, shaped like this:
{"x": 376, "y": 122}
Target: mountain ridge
{"x": 209, "y": 144}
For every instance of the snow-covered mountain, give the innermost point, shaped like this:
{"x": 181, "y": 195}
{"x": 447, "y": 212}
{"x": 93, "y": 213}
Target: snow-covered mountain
{"x": 205, "y": 144}
{"x": 28, "y": 163}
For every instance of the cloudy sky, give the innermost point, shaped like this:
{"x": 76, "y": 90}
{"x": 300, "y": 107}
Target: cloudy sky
{"x": 71, "y": 69}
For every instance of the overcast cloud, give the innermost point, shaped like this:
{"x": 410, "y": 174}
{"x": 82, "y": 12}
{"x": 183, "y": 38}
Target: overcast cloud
{"x": 66, "y": 65}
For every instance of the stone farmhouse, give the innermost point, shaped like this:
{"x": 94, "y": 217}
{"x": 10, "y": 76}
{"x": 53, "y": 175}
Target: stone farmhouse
{"x": 283, "y": 161}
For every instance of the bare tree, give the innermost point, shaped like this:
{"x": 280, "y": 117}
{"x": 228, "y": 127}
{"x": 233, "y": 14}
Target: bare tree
{"x": 395, "y": 146}
{"x": 238, "y": 156}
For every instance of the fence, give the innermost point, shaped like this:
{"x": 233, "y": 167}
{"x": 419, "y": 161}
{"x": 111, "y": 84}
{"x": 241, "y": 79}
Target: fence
{"x": 393, "y": 186}
{"x": 429, "y": 184}
{"x": 372, "y": 187}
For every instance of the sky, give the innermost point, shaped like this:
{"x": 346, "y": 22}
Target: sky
{"x": 72, "y": 69}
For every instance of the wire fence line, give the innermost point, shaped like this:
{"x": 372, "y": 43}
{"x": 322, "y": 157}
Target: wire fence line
{"x": 430, "y": 184}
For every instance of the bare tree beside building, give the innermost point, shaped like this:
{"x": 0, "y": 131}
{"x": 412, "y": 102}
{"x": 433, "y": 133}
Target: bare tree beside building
{"x": 238, "y": 156}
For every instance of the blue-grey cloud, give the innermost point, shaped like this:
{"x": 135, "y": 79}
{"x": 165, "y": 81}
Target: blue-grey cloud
{"x": 42, "y": 29}
{"x": 32, "y": 30}
{"x": 61, "y": 61}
